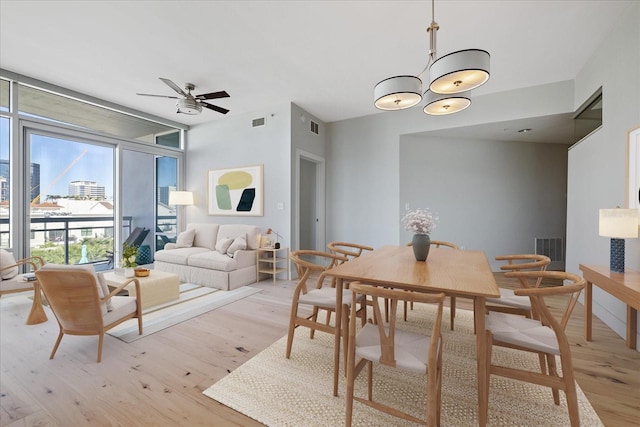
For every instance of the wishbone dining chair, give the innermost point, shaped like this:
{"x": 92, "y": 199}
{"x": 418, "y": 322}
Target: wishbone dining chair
{"x": 322, "y": 296}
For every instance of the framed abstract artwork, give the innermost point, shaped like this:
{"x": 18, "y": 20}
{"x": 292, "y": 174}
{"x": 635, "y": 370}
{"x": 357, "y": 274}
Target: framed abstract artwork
{"x": 235, "y": 191}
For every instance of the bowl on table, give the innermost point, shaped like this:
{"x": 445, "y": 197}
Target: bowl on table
{"x": 142, "y": 272}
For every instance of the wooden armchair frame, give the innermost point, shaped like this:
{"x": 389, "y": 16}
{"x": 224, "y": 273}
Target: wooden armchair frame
{"x": 74, "y": 299}
{"x": 511, "y": 330}
{"x": 385, "y": 337}
{"x": 321, "y": 296}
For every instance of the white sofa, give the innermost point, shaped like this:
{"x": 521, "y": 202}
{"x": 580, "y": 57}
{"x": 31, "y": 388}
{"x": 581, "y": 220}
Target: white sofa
{"x": 195, "y": 259}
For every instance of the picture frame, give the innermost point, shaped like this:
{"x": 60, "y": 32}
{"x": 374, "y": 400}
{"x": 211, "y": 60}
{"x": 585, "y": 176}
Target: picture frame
{"x": 633, "y": 169}
{"x": 236, "y": 191}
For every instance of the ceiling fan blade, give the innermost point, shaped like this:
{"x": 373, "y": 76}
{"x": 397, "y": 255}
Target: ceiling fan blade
{"x": 158, "y": 96}
{"x": 173, "y": 86}
{"x": 215, "y": 108}
{"x": 213, "y": 95}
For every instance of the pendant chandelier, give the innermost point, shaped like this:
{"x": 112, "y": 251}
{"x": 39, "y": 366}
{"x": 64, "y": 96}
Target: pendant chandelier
{"x": 451, "y": 77}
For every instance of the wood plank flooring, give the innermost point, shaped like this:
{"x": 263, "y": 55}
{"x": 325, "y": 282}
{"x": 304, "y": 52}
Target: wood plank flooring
{"x": 158, "y": 380}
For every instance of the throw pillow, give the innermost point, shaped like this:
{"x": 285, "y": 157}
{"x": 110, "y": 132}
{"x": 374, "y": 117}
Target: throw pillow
{"x": 185, "y": 239}
{"x": 239, "y": 243}
{"x": 223, "y": 245}
{"x": 105, "y": 290}
{"x": 7, "y": 259}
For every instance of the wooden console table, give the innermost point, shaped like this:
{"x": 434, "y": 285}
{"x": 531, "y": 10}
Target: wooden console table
{"x": 624, "y": 286}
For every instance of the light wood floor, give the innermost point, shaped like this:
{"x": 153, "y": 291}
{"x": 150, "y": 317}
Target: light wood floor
{"x": 158, "y": 380}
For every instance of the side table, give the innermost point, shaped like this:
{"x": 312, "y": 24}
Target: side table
{"x": 268, "y": 261}
{"x": 624, "y": 286}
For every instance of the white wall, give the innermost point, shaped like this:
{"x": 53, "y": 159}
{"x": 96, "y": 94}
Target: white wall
{"x": 233, "y": 142}
{"x": 597, "y": 165}
{"x": 489, "y": 195}
{"x": 364, "y": 163}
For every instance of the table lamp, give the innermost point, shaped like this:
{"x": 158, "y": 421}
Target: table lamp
{"x": 277, "y": 244}
{"x": 618, "y": 224}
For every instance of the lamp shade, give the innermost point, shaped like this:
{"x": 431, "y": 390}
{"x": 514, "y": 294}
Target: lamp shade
{"x": 398, "y": 93}
{"x": 459, "y": 71}
{"x": 181, "y": 198}
{"x": 618, "y": 223}
{"x": 439, "y": 105}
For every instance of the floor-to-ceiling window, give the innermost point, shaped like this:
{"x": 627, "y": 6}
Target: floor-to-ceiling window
{"x": 70, "y": 172}
{"x": 70, "y": 198}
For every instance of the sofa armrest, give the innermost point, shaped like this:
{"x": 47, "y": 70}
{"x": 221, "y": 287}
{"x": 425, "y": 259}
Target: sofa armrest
{"x": 245, "y": 257}
{"x": 170, "y": 246}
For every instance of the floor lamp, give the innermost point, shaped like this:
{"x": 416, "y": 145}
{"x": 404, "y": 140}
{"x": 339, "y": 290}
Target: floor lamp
{"x": 180, "y": 198}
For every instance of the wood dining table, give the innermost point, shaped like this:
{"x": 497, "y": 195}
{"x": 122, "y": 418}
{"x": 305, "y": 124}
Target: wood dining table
{"x": 456, "y": 273}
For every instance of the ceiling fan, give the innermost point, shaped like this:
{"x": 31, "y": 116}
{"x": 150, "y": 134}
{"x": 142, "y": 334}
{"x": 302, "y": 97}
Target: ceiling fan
{"x": 191, "y": 104}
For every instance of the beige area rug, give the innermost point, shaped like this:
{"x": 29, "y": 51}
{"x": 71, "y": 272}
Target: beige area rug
{"x": 194, "y": 300}
{"x": 299, "y": 391}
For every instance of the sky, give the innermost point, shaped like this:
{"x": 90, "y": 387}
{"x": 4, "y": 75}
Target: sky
{"x": 62, "y": 161}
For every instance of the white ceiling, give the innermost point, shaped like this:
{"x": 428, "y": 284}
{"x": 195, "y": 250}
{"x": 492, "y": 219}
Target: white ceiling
{"x": 325, "y": 56}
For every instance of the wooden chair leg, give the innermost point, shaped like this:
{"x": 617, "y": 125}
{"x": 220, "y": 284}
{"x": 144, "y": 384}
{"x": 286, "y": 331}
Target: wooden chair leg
{"x": 292, "y": 327}
{"x": 100, "y": 341}
{"x": 55, "y": 347}
{"x": 553, "y": 370}
{"x": 452, "y": 310}
{"x": 314, "y": 317}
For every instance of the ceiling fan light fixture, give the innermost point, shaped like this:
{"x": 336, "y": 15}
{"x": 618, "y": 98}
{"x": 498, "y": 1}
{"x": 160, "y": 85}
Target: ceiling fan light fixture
{"x": 459, "y": 71}
{"x": 398, "y": 93}
{"x": 440, "y": 105}
{"x": 188, "y": 106}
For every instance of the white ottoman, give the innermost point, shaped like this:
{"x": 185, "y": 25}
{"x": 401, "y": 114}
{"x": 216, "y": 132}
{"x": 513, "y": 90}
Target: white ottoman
{"x": 156, "y": 288}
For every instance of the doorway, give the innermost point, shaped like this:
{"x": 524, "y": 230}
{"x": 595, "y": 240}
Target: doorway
{"x": 310, "y": 218}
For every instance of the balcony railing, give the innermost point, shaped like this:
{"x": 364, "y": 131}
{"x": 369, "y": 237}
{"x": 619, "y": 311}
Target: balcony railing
{"x": 83, "y": 239}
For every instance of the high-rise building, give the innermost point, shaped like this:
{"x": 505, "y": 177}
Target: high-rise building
{"x": 34, "y": 174}
{"x": 86, "y": 189}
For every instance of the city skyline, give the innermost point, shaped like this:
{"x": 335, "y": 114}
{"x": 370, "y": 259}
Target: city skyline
{"x": 64, "y": 161}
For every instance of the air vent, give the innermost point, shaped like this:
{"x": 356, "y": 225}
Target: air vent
{"x": 553, "y": 247}
{"x": 314, "y": 127}
{"x": 257, "y": 122}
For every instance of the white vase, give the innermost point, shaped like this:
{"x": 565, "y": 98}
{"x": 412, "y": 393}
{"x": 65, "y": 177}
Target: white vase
{"x": 128, "y": 272}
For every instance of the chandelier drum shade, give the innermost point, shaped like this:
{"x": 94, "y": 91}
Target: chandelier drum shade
{"x": 459, "y": 71}
{"x": 454, "y": 73}
{"x": 440, "y": 105}
{"x": 398, "y": 93}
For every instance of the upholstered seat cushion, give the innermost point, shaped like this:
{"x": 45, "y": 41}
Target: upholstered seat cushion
{"x": 410, "y": 350}
{"x": 508, "y": 298}
{"x": 518, "y": 330}
{"x": 213, "y": 260}
{"x": 121, "y": 307}
{"x": 325, "y": 297}
{"x": 179, "y": 255}
{"x": 16, "y": 283}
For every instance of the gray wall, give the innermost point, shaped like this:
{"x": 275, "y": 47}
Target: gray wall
{"x": 233, "y": 142}
{"x": 364, "y": 169}
{"x": 597, "y": 165}
{"x": 489, "y": 195}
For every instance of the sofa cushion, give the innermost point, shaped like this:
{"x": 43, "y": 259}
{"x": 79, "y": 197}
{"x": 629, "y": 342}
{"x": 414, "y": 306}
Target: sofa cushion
{"x": 185, "y": 239}
{"x": 235, "y": 230}
{"x": 105, "y": 290}
{"x": 213, "y": 260}
{"x": 223, "y": 244}
{"x": 206, "y": 235}
{"x": 7, "y": 259}
{"x": 178, "y": 256}
{"x": 239, "y": 244}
